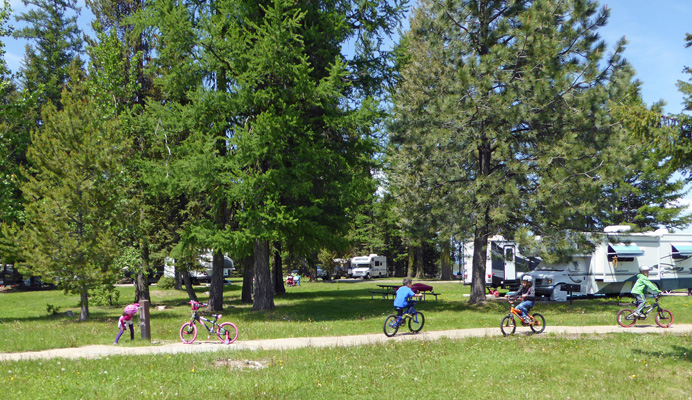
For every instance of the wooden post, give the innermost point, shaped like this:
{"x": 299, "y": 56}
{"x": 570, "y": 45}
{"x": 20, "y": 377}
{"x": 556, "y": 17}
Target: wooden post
{"x": 144, "y": 319}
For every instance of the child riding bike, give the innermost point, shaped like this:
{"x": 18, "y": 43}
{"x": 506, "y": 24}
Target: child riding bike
{"x": 527, "y": 293}
{"x": 404, "y": 296}
{"x": 642, "y": 287}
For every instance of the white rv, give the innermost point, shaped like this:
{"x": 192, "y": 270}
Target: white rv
{"x": 504, "y": 264}
{"x": 369, "y": 266}
{"x": 203, "y": 274}
{"x": 612, "y": 268}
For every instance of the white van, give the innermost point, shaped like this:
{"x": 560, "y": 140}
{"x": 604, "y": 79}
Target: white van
{"x": 369, "y": 266}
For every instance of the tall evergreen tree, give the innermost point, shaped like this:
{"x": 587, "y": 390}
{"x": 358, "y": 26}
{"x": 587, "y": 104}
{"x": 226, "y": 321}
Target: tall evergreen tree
{"x": 75, "y": 196}
{"x": 273, "y": 143}
{"x": 52, "y": 26}
{"x": 515, "y": 130}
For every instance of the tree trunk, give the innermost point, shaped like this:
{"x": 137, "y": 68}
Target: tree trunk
{"x": 141, "y": 287}
{"x": 279, "y": 287}
{"x": 84, "y": 303}
{"x": 264, "y": 292}
{"x": 191, "y": 294}
{"x": 420, "y": 273}
{"x": 411, "y": 261}
{"x": 480, "y": 247}
{"x": 141, "y": 281}
{"x": 178, "y": 279}
{"x": 446, "y": 259}
{"x": 216, "y": 289}
{"x": 248, "y": 277}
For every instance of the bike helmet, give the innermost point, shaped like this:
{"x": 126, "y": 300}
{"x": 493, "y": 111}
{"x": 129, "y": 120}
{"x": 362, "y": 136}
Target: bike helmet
{"x": 527, "y": 278}
{"x": 644, "y": 268}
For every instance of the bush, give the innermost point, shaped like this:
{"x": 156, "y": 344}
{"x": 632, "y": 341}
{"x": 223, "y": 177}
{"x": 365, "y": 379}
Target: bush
{"x": 104, "y": 295}
{"x": 166, "y": 282}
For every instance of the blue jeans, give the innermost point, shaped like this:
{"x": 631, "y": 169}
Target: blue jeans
{"x": 524, "y": 307}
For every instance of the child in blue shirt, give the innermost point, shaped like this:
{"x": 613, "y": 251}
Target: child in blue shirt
{"x": 403, "y": 297}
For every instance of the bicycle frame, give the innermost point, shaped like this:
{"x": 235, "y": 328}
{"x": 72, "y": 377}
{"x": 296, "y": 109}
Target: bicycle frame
{"x": 201, "y": 320}
{"x": 226, "y": 331}
{"x": 663, "y": 317}
{"x": 508, "y": 324}
{"x": 415, "y": 319}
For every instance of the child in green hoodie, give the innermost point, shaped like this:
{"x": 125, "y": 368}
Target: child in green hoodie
{"x": 643, "y": 286}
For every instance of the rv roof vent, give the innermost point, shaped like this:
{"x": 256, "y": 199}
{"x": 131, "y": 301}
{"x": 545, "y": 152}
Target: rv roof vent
{"x": 617, "y": 228}
{"x": 373, "y": 255}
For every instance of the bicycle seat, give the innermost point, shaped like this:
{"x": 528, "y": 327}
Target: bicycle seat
{"x": 217, "y": 316}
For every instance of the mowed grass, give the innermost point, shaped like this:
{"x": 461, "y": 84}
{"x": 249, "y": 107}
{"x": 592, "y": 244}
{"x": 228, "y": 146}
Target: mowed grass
{"x": 312, "y": 309}
{"x": 616, "y": 366}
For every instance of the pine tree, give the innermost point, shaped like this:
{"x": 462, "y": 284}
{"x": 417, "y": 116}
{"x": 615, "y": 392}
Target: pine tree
{"x": 74, "y": 196}
{"x": 262, "y": 127}
{"x": 58, "y": 42}
{"x": 512, "y": 119}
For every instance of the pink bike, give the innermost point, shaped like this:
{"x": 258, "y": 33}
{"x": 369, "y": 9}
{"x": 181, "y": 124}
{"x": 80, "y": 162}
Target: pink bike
{"x": 226, "y": 332}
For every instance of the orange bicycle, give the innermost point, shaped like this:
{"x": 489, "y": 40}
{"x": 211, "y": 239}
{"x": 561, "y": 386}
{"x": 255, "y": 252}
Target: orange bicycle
{"x": 509, "y": 324}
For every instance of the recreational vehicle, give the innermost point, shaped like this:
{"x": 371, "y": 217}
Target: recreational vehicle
{"x": 204, "y": 271}
{"x": 369, "y": 266}
{"x": 504, "y": 264}
{"x": 612, "y": 268}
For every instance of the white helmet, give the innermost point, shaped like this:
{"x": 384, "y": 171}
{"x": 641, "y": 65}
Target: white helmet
{"x": 527, "y": 278}
{"x": 644, "y": 268}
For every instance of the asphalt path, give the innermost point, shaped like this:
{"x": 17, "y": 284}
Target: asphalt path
{"x": 98, "y": 351}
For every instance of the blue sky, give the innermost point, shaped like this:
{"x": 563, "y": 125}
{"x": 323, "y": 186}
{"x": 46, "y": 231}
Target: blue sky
{"x": 655, "y": 31}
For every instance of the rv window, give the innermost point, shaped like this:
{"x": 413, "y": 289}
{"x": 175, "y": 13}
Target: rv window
{"x": 509, "y": 254}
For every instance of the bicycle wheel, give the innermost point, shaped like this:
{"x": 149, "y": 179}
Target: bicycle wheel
{"x": 664, "y": 318}
{"x": 227, "y": 333}
{"x": 391, "y": 325}
{"x": 508, "y": 325}
{"x": 625, "y": 318}
{"x": 415, "y": 323}
{"x": 540, "y": 325}
{"x": 188, "y": 332}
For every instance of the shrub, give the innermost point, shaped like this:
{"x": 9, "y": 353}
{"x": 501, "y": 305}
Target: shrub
{"x": 166, "y": 282}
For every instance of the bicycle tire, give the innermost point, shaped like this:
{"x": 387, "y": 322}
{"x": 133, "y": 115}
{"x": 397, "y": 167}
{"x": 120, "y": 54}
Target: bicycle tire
{"x": 188, "y": 332}
{"x": 391, "y": 325}
{"x": 625, "y": 318}
{"x": 227, "y": 332}
{"x": 416, "y": 322}
{"x": 540, "y": 327}
{"x": 508, "y": 325}
{"x": 664, "y": 318}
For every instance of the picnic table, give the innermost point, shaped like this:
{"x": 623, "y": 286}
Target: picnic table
{"x": 390, "y": 290}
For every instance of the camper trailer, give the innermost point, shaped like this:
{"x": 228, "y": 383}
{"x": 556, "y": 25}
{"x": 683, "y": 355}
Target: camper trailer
{"x": 504, "y": 264}
{"x": 369, "y": 266}
{"x": 612, "y": 268}
{"x": 204, "y": 272}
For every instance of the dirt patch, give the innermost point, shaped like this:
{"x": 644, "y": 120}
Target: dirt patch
{"x": 242, "y": 364}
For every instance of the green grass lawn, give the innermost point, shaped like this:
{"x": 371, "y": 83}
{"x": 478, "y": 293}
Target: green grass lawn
{"x": 312, "y": 309}
{"x": 616, "y": 366}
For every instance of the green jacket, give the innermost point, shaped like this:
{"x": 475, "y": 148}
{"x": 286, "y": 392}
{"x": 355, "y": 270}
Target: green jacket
{"x": 643, "y": 284}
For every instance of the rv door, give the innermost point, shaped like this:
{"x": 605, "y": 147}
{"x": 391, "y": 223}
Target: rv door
{"x": 510, "y": 267}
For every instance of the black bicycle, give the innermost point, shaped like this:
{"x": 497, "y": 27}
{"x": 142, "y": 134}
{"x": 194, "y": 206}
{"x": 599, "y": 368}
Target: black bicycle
{"x": 415, "y": 319}
{"x": 664, "y": 318}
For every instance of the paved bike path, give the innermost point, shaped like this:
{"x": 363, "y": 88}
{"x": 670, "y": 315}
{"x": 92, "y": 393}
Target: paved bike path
{"x": 97, "y": 351}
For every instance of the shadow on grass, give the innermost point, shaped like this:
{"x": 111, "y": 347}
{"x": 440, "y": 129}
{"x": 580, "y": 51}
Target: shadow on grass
{"x": 676, "y": 352}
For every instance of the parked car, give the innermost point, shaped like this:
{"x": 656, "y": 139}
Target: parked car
{"x": 321, "y": 273}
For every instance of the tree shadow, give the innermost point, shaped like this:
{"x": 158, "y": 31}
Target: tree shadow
{"x": 676, "y": 352}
